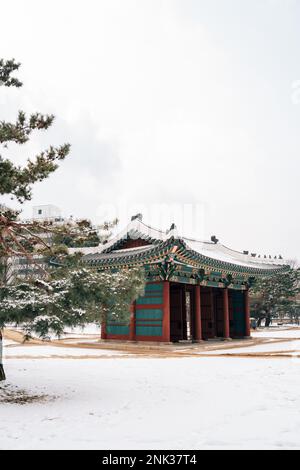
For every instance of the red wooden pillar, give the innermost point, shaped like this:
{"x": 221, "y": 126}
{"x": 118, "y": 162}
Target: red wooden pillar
{"x": 166, "y": 311}
{"x": 132, "y": 322}
{"x": 247, "y": 314}
{"x": 226, "y": 327}
{"x": 103, "y": 330}
{"x": 212, "y": 313}
{"x": 198, "y": 324}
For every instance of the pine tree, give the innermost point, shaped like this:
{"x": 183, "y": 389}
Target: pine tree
{"x": 275, "y": 295}
{"x": 16, "y": 181}
{"x": 61, "y": 290}
{"x": 71, "y": 296}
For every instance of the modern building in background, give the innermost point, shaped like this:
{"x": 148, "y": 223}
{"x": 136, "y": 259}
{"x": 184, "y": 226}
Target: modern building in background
{"x": 47, "y": 212}
{"x": 23, "y": 267}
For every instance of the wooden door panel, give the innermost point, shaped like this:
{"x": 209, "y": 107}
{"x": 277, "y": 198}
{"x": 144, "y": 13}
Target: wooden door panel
{"x": 219, "y": 313}
{"x": 208, "y": 323}
{"x": 176, "y": 308}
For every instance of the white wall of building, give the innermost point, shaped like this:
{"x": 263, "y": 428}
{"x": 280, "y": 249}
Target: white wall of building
{"x": 46, "y": 212}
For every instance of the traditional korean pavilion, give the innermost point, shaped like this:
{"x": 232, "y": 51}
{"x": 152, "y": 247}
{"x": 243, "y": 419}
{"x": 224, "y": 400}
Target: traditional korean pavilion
{"x": 195, "y": 290}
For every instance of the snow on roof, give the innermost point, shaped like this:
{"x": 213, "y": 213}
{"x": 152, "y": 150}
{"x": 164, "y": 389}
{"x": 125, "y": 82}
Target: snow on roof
{"x": 118, "y": 253}
{"x": 222, "y": 253}
{"x": 138, "y": 229}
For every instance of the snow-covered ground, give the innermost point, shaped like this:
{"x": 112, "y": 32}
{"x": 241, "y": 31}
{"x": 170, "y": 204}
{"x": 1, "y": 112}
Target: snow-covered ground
{"x": 277, "y": 333}
{"x": 9, "y": 342}
{"x": 87, "y": 331}
{"x": 128, "y": 401}
{"x": 276, "y": 341}
{"x": 271, "y": 347}
{"x": 18, "y": 351}
{"x": 154, "y": 404}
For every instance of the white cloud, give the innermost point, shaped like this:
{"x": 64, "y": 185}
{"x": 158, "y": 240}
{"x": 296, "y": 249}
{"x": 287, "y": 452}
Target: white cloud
{"x": 159, "y": 108}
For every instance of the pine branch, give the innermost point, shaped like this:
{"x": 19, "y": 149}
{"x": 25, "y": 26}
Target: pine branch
{"x": 17, "y": 181}
{"x": 19, "y": 132}
{"x": 7, "y": 67}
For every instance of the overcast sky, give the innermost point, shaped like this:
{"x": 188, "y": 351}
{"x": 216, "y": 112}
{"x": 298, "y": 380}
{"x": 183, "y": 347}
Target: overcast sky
{"x": 185, "y": 110}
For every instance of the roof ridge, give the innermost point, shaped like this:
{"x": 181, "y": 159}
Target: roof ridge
{"x": 151, "y": 228}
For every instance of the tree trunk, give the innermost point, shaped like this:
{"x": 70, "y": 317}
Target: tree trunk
{"x": 2, "y": 373}
{"x": 268, "y": 322}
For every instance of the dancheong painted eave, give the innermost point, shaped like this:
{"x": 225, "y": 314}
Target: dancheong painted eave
{"x": 140, "y": 244}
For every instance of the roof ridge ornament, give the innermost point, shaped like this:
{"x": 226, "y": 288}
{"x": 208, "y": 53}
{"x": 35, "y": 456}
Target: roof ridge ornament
{"x": 173, "y": 227}
{"x": 138, "y": 216}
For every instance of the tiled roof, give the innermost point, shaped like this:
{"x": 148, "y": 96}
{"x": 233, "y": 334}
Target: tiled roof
{"x": 204, "y": 253}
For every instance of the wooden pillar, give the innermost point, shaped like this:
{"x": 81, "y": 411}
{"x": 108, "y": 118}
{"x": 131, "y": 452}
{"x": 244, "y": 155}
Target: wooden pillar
{"x": 103, "y": 330}
{"x": 247, "y": 313}
{"x": 198, "y": 324}
{"x": 212, "y": 312}
{"x": 166, "y": 311}
{"x": 132, "y": 322}
{"x": 226, "y": 327}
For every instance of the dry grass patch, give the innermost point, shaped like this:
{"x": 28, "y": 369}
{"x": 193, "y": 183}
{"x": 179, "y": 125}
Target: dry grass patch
{"x": 10, "y": 394}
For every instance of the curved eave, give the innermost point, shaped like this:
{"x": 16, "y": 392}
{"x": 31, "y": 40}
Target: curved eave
{"x": 185, "y": 255}
{"x": 195, "y": 259}
{"x": 131, "y": 259}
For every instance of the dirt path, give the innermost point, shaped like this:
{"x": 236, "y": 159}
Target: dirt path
{"x": 127, "y": 349}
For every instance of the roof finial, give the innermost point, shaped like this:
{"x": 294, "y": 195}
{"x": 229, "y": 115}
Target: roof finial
{"x": 214, "y": 239}
{"x": 138, "y": 216}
